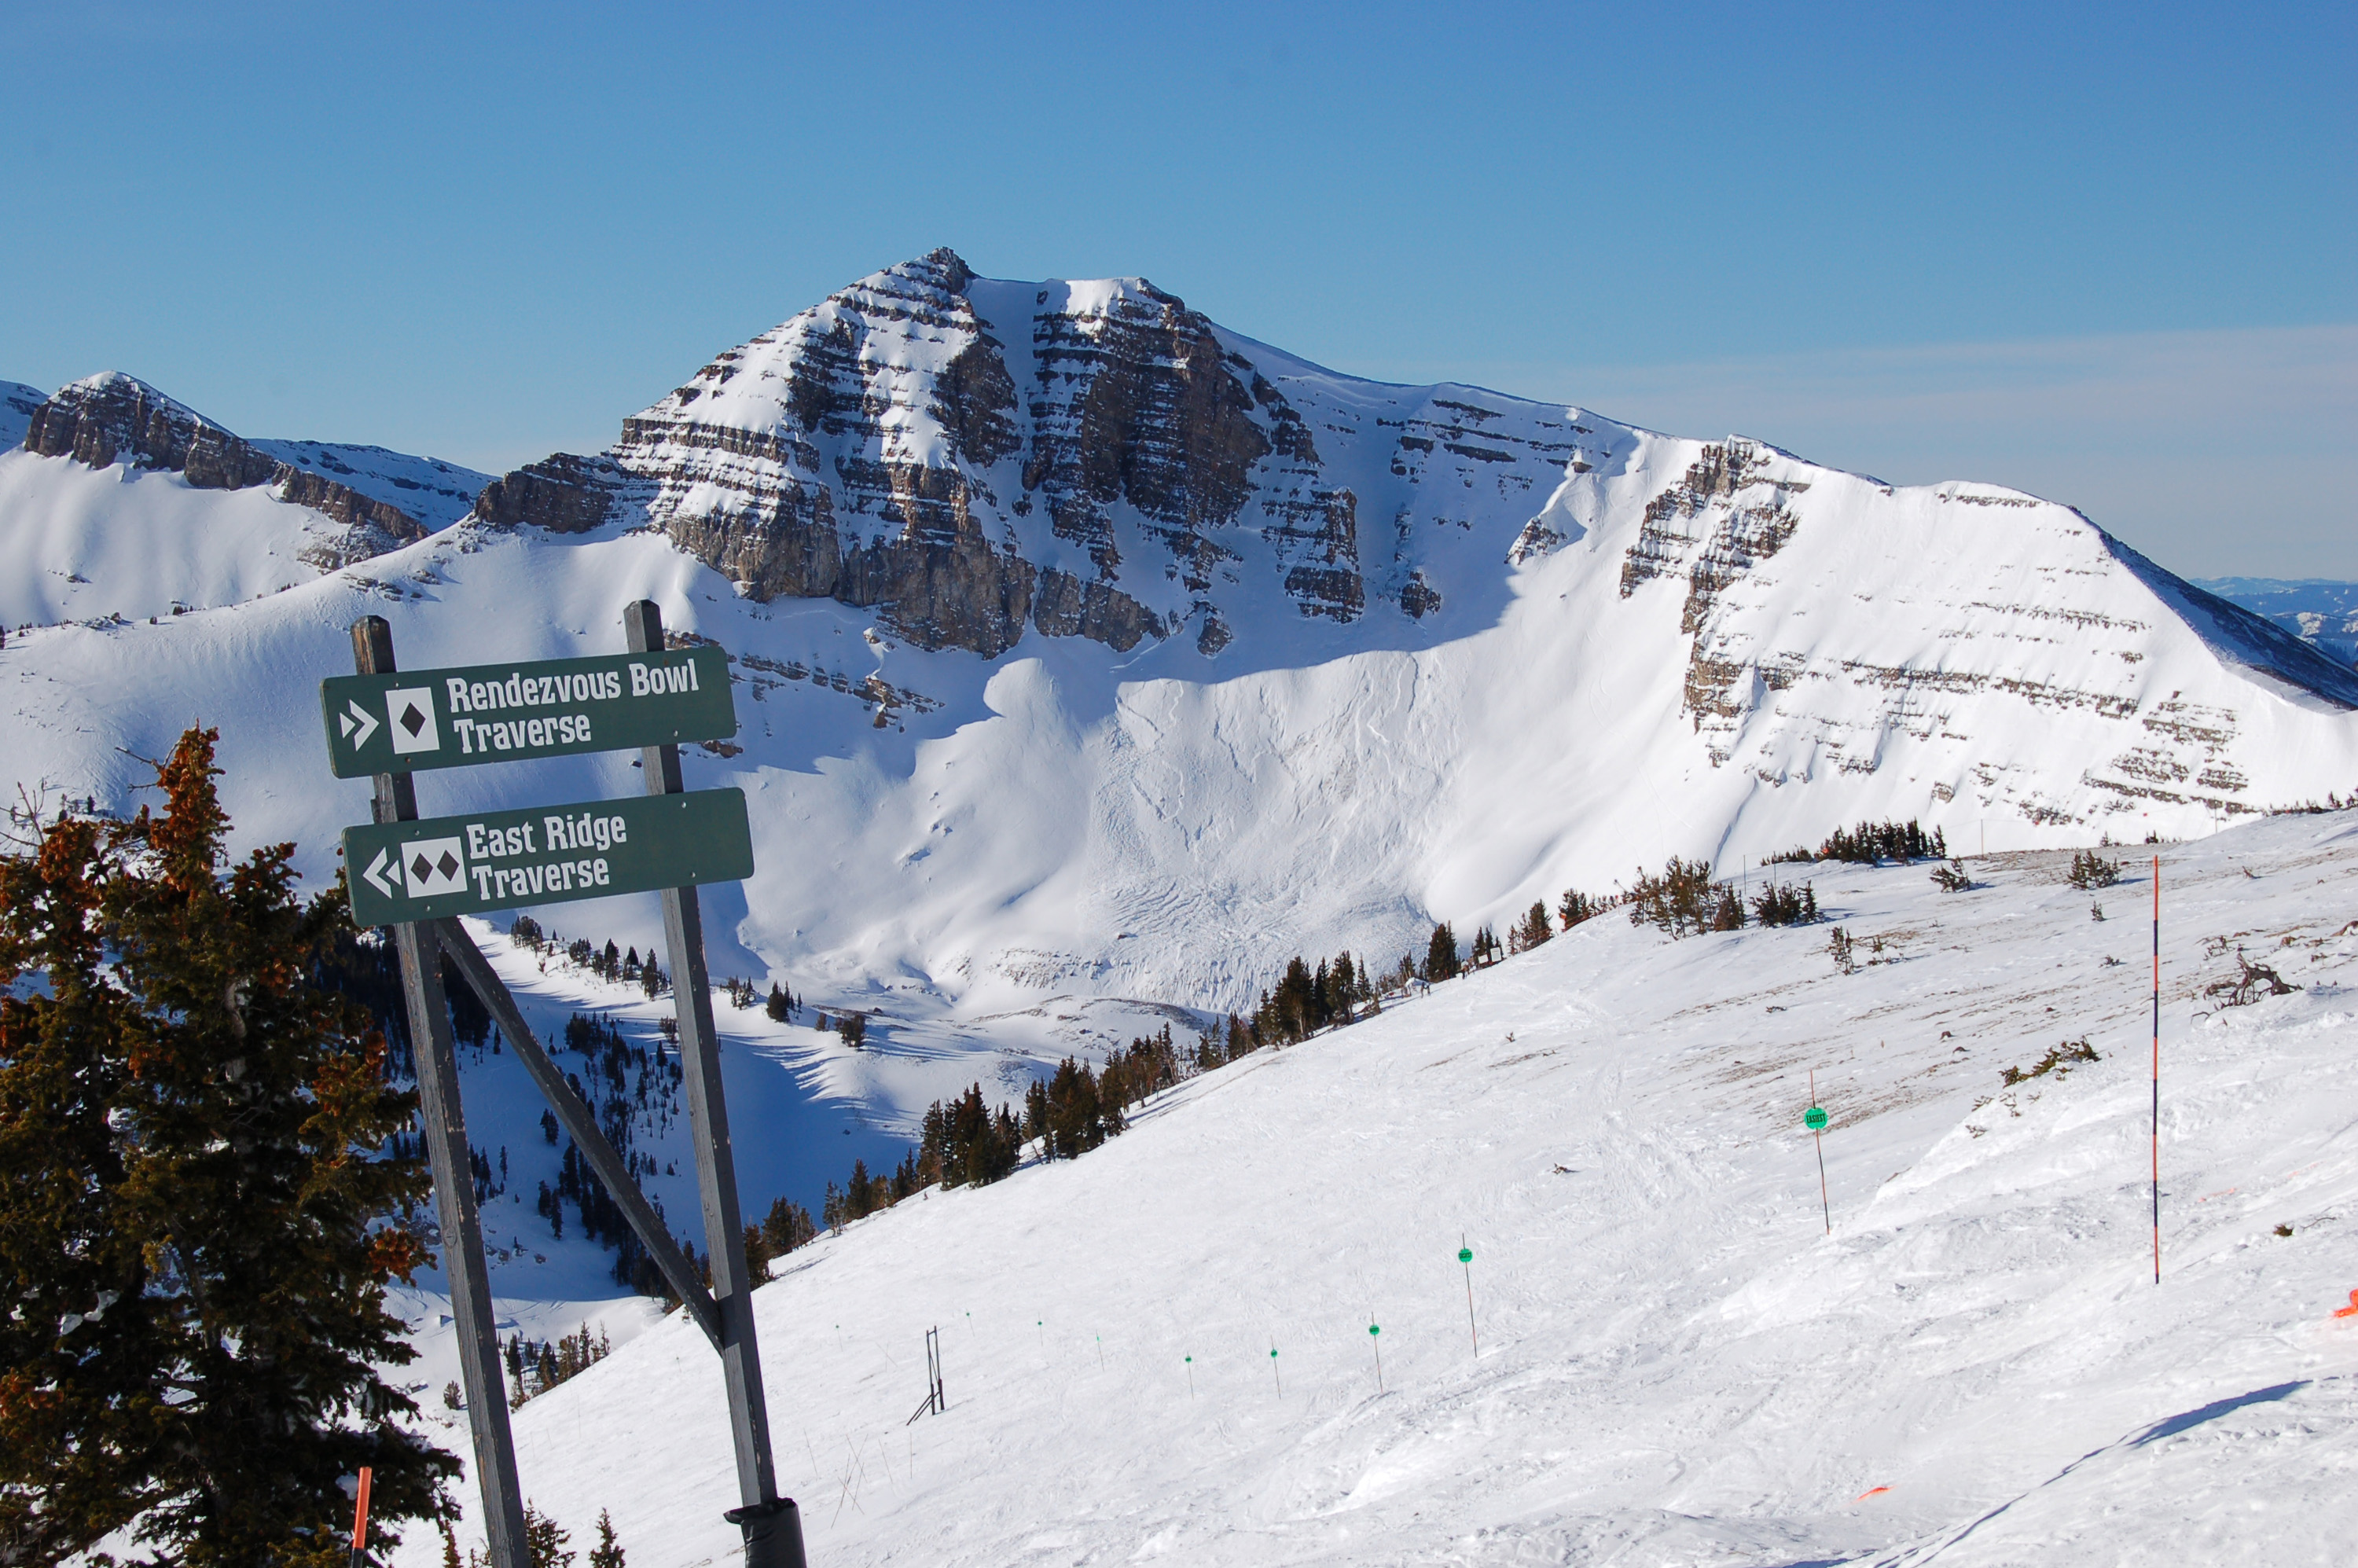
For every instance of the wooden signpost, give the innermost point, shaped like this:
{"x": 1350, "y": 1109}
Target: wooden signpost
{"x": 382, "y": 721}
{"x": 496, "y": 860}
{"x": 416, "y": 876}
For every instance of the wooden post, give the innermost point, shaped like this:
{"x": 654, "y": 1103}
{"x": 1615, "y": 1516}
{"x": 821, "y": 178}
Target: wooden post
{"x": 772, "y": 1528}
{"x": 454, "y": 1178}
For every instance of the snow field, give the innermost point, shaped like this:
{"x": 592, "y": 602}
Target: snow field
{"x": 1677, "y": 1364}
{"x": 802, "y": 1107}
{"x": 83, "y": 544}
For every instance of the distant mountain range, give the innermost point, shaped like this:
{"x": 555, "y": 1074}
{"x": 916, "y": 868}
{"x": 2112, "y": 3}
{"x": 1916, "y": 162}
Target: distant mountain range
{"x": 2318, "y": 610}
{"x": 1088, "y": 648}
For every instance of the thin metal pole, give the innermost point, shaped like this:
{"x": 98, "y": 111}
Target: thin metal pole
{"x": 2157, "y": 1069}
{"x": 1825, "y": 1207}
{"x": 472, "y": 1321}
{"x": 1466, "y": 1263}
{"x": 772, "y": 1525}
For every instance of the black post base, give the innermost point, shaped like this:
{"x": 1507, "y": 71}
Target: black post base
{"x": 773, "y": 1533}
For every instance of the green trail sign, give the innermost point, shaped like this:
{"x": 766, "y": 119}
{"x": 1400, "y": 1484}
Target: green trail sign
{"x": 508, "y": 713}
{"x": 1814, "y": 1118}
{"x": 442, "y": 865}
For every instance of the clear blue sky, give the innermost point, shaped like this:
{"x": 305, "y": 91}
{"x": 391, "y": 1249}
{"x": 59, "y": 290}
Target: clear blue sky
{"x": 2104, "y": 254}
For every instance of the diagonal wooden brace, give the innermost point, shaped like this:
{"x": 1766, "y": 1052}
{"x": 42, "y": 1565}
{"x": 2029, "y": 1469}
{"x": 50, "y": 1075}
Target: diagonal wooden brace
{"x": 578, "y": 1121}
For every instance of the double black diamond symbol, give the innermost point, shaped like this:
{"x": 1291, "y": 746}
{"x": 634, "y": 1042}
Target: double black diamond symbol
{"x": 421, "y": 868}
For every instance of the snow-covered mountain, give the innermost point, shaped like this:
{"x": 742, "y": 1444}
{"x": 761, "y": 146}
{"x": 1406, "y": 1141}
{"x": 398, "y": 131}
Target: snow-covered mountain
{"x": 17, "y": 405}
{"x": 117, "y": 501}
{"x": 2316, "y": 609}
{"x": 1161, "y": 1351}
{"x": 1089, "y": 651}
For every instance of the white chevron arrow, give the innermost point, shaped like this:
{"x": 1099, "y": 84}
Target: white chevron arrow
{"x": 376, "y": 873}
{"x": 358, "y": 724}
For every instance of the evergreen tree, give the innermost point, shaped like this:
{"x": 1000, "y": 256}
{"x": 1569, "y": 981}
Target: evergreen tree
{"x": 1441, "y": 953}
{"x": 544, "y": 1543}
{"x": 196, "y": 1243}
{"x": 778, "y": 1008}
{"x": 471, "y": 1021}
{"x": 965, "y": 1144}
{"x": 608, "y": 1552}
{"x": 1536, "y": 929}
{"x": 1774, "y": 906}
{"x": 1683, "y": 900}
{"x": 787, "y": 1227}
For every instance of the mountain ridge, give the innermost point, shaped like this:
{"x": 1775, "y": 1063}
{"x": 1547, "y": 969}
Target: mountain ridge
{"x": 741, "y": 484}
{"x": 1148, "y": 654}
{"x": 111, "y": 416}
{"x": 119, "y": 499}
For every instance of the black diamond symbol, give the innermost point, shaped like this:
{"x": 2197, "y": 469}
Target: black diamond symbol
{"x": 411, "y": 719}
{"x": 450, "y": 866}
{"x": 420, "y": 868}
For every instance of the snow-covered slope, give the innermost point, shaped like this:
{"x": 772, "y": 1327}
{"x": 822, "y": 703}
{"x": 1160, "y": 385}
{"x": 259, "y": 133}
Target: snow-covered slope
{"x": 18, "y": 402}
{"x": 434, "y": 492}
{"x": 1089, "y": 653}
{"x": 1678, "y": 1363}
{"x": 79, "y": 543}
{"x": 125, "y": 503}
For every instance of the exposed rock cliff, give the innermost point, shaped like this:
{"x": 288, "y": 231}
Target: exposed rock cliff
{"x": 978, "y": 461}
{"x": 974, "y": 458}
{"x": 112, "y": 417}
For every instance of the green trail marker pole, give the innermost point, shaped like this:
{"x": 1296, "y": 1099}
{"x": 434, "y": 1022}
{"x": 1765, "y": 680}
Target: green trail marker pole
{"x": 1272, "y": 1372}
{"x": 1465, "y": 1261}
{"x": 1374, "y": 1339}
{"x": 1814, "y": 1118}
{"x": 1191, "y": 1375}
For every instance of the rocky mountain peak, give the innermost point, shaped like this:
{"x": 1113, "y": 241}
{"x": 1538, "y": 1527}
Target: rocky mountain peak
{"x": 111, "y": 417}
{"x": 977, "y": 458}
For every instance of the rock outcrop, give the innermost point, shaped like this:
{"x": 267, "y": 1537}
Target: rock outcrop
{"x": 112, "y": 417}
{"x": 975, "y": 459}
{"x": 978, "y": 462}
